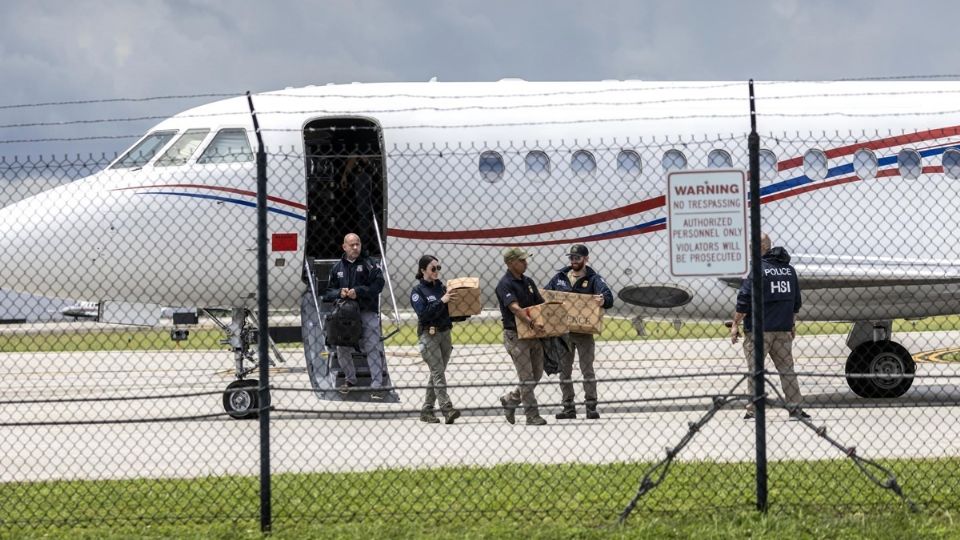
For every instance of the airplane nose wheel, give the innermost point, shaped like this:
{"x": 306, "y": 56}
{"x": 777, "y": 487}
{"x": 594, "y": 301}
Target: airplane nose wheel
{"x": 240, "y": 399}
{"x": 889, "y": 364}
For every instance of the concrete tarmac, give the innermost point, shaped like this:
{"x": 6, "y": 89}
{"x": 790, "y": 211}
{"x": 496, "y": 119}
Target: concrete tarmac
{"x": 98, "y": 415}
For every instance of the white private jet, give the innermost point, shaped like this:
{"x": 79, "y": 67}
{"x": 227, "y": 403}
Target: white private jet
{"x": 859, "y": 181}
{"x": 82, "y": 310}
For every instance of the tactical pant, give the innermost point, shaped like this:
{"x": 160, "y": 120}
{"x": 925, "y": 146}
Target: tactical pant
{"x": 779, "y": 345}
{"x": 436, "y": 351}
{"x": 527, "y": 355}
{"x": 583, "y": 346}
{"x": 371, "y": 346}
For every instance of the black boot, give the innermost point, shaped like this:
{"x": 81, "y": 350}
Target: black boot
{"x": 449, "y": 415}
{"x": 568, "y": 413}
{"x": 429, "y": 417}
{"x": 592, "y": 413}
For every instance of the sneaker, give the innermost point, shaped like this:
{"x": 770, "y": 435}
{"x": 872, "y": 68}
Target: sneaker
{"x": 592, "y": 414}
{"x": 566, "y": 414}
{"x": 536, "y": 421}
{"x": 345, "y": 388}
{"x": 509, "y": 411}
{"x": 450, "y": 415}
{"x": 429, "y": 418}
{"x": 750, "y": 415}
{"x": 799, "y": 415}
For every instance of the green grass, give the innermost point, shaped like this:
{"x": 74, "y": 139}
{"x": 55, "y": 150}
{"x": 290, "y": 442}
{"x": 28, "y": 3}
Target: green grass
{"x": 470, "y": 332}
{"x": 697, "y": 500}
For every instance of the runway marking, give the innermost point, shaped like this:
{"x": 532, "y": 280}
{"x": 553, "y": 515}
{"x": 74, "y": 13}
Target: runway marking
{"x": 937, "y": 355}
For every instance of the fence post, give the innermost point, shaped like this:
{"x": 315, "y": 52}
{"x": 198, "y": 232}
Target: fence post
{"x": 263, "y": 338}
{"x": 753, "y": 144}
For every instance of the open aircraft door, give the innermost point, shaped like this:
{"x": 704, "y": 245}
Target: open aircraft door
{"x": 346, "y": 193}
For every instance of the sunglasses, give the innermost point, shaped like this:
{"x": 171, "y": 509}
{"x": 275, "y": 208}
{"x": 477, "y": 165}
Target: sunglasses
{"x": 434, "y": 268}
{"x": 576, "y": 257}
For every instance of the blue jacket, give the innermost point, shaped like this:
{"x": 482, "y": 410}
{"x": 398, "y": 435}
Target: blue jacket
{"x": 363, "y": 275}
{"x": 781, "y": 293}
{"x": 591, "y": 283}
{"x": 425, "y": 298}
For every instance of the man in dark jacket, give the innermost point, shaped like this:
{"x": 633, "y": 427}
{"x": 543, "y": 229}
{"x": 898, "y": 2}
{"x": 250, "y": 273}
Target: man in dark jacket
{"x": 360, "y": 279}
{"x": 580, "y": 278}
{"x": 781, "y": 303}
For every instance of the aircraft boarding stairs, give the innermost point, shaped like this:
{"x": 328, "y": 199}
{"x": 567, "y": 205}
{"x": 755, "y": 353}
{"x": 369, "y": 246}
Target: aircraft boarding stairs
{"x": 323, "y": 366}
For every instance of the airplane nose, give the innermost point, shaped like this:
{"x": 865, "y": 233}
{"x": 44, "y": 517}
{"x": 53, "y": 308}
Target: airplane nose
{"x": 44, "y": 241}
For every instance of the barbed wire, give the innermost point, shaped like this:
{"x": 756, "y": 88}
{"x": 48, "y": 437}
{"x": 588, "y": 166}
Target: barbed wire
{"x": 116, "y": 100}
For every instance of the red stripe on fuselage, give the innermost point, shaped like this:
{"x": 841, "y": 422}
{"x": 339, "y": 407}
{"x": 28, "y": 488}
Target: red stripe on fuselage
{"x": 540, "y": 228}
{"x": 235, "y": 191}
{"x": 876, "y": 145}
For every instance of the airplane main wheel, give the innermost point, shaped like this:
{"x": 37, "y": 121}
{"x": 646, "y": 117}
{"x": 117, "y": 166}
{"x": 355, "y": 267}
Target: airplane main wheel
{"x": 888, "y": 363}
{"x": 240, "y": 399}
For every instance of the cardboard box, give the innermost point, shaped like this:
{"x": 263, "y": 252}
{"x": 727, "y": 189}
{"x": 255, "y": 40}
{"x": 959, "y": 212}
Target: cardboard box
{"x": 584, "y": 316}
{"x": 468, "y": 296}
{"x": 553, "y": 315}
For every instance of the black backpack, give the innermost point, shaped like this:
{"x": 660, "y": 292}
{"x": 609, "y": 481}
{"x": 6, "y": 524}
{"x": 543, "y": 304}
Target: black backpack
{"x": 343, "y": 326}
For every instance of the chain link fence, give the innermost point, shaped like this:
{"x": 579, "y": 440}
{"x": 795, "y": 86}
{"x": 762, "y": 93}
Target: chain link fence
{"x": 136, "y": 423}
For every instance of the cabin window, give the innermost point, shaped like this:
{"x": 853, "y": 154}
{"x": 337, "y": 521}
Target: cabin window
{"x": 815, "y": 164}
{"x": 180, "y": 151}
{"x": 768, "y": 165}
{"x": 491, "y": 166}
{"x": 228, "y": 146}
{"x": 674, "y": 160}
{"x": 719, "y": 159}
{"x": 538, "y": 164}
{"x": 951, "y": 164}
{"x": 628, "y": 163}
{"x": 865, "y": 164}
{"x": 909, "y": 163}
{"x": 143, "y": 151}
{"x": 582, "y": 163}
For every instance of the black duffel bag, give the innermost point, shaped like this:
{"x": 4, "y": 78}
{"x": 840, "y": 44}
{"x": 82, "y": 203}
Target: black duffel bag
{"x": 554, "y": 349}
{"x": 343, "y": 326}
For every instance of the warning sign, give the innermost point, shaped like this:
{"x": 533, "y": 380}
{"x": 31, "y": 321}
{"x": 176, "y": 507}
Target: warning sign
{"x": 707, "y": 222}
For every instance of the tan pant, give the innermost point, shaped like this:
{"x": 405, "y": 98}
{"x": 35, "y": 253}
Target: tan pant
{"x": 583, "y": 346}
{"x": 527, "y": 355}
{"x": 436, "y": 350}
{"x": 779, "y": 346}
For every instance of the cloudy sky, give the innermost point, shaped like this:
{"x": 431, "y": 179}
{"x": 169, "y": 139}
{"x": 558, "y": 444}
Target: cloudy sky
{"x": 100, "y": 50}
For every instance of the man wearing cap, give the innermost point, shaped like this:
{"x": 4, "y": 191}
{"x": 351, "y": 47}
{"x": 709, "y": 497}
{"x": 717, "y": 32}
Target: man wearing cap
{"x": 516, "y": 291}
{"x": 580, "y": 278}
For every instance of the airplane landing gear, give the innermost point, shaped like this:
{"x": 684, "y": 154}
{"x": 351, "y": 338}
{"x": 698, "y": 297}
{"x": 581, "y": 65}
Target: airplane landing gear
{"x": 889, "y": 364}
{"x": 241, "y": 399}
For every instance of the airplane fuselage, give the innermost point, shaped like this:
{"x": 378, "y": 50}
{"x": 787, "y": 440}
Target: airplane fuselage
{"x": 185, "y": 234}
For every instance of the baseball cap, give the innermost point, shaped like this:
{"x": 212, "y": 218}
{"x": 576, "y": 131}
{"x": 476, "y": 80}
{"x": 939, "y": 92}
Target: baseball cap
{"x": 514, "y": 254}
{"x": 578, "y": 250}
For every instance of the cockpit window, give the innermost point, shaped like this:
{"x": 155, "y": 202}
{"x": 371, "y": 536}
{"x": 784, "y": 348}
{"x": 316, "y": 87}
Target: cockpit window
{"x": 143, "y": 151}
{"x": 180, "y": 151}
{"x": 229, "y": 146}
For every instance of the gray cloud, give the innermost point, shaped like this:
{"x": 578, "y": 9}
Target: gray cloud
{"x": 59, "y": 50}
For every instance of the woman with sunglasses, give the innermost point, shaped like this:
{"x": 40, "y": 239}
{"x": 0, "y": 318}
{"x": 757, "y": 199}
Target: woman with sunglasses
{"x": 430, "y": 298}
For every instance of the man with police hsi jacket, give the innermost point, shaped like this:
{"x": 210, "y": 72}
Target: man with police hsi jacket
{"x": 781, "y": 303}
{"x": 580, "y": 278}
{"x": 360, "y": 279}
